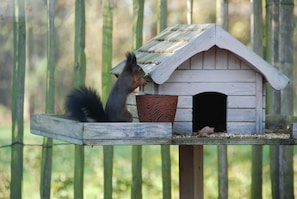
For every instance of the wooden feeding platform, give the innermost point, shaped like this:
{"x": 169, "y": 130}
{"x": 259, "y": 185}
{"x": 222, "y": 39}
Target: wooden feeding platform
{"x": 87, "y": 133}
{"x": 155, "y": 133}
{"x": 60, "y": 127}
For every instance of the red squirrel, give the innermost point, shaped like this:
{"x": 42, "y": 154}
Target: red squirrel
{"x": 84, "y": 104}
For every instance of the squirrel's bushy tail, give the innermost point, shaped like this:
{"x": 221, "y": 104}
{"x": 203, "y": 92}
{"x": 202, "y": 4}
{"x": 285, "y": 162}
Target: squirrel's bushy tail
{"x": 84, "y": 104}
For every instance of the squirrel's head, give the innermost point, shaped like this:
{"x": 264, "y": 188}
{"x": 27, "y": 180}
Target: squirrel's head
{"x": 134, "y": 70}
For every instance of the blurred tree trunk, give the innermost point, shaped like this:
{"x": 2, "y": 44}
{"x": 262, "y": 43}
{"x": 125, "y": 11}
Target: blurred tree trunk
{"x": 222, "y": 20}
{"x": 257, "y": 150}
{"x": 79, "y": 80}
{"x": 19, "y": 44}
{"x": 106, "y": 84}
{"x": 137, "y": 30}
{"x": 47, "y": 148}
{"x": 280, "y": 27}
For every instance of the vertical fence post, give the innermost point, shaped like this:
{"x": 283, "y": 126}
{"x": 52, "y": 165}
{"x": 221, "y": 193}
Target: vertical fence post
{"x": 106, "y": 87}
{"x": 280, "y": 27}
{"x": 19, "y": 33}
{"x": 286, "y": 59}
{"x": 46, "y": 159}
{"x": 223, "y": 20}
{"x": 79, "y": 79}
{"x": 191, "y": 171}
{"x": 272, "y": 96}
{"x": 257, "y": 150}
{"x": 137, "y": 29}
{"x": 165, "y": 149}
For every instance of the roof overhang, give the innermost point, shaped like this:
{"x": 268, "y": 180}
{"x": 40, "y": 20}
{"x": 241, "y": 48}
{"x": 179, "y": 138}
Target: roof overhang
{"x": 161, "y": 56}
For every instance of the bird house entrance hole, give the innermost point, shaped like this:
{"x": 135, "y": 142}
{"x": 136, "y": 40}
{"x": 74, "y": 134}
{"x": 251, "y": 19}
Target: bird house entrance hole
{"x": 210, "y": 109}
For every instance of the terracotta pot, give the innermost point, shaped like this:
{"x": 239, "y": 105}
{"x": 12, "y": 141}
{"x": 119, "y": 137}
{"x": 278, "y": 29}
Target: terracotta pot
{"x": 156, "y": 108}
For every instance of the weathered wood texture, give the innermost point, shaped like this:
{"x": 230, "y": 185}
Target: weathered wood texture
{"x": 162, "y": 55}
{"x": 58, "y": 127}
{"x": 179, "y": 140}
{"x": 144, "y": 133}
{"x": 216, "y": 70}
{"x": 191, "y": 171}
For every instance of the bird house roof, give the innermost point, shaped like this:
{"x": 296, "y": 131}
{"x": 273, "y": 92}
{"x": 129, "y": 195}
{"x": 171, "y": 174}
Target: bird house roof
{"x": 160, "y": 57}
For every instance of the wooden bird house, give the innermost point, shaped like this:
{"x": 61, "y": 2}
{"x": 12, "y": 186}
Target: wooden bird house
{"x": 219, "y": 82}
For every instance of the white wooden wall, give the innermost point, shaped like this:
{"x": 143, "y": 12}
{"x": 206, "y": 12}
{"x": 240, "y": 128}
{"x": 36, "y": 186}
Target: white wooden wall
{"x": 217, "y": 70}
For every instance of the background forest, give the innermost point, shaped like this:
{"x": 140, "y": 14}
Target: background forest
{"x": 204, "y": 11}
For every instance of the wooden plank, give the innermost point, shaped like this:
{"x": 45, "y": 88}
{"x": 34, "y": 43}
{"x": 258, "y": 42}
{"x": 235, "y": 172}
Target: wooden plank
{"x": 259, "y": 99}
{"x": 241, "y": 115}
{"x": 58, "y": 127}
{"x": 194, "y": 140}
{"x": 234, "y": 61}
{"x": 245, "y": 66}
{"x": 195, "y": 88}
{"x": 213, "y": 75}
{"x": 241, "y": 101}
{"x": 181, "y": 127}
{"x": 221, "y": 59}
{"x": 197, "y": 61}
{"x": 185, "y": 65}
{"x": 126, "y": 130}
{"x": 183, "y": 115}
{"x": 241, "y": 128}
{"x": 185, "y": 102}
{"x": 166, "y": 138}
{"x": 294, "y": 131}
{"x": 149, "y": 88}
{"x": 139, "y": 141}
{"x": 209, "y": 61}
{"x": 191, "y": 171}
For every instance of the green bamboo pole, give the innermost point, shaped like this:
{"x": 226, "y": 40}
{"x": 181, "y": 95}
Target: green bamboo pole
{"x": 286, "y": 59}
{"x": 165, "y": 149}
{"x": 46, "y": 158}
{"x": 280, "y": 26}
{"x": 257, "y": 150}
{"x": 272, "y": 96}
{"x": 106, "y": 87}
{"x": 136, "y": 185}
{"x": 19, "y": 33}
{"x": 189, "y": 11}
{"x": 223, "y": 20}
{"x": 166, "y": 171}
{"x": 137, "y": 26}
{"x": 137, "y": 29}
{"x": 79, "y": 79}
{"x": 162, "y": 15}
{"x": 79, "y": 44}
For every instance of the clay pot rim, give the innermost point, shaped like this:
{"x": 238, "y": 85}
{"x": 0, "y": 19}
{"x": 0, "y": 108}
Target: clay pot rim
{"x": 157, "y": 95}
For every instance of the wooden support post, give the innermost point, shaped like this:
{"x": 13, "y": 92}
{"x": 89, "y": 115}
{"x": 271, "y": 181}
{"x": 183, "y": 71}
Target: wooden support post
{"x": 191, "y": 171}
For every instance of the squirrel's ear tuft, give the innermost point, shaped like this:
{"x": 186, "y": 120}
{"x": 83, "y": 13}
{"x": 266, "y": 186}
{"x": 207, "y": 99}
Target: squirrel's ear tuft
{"x": 131, "y": 58}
